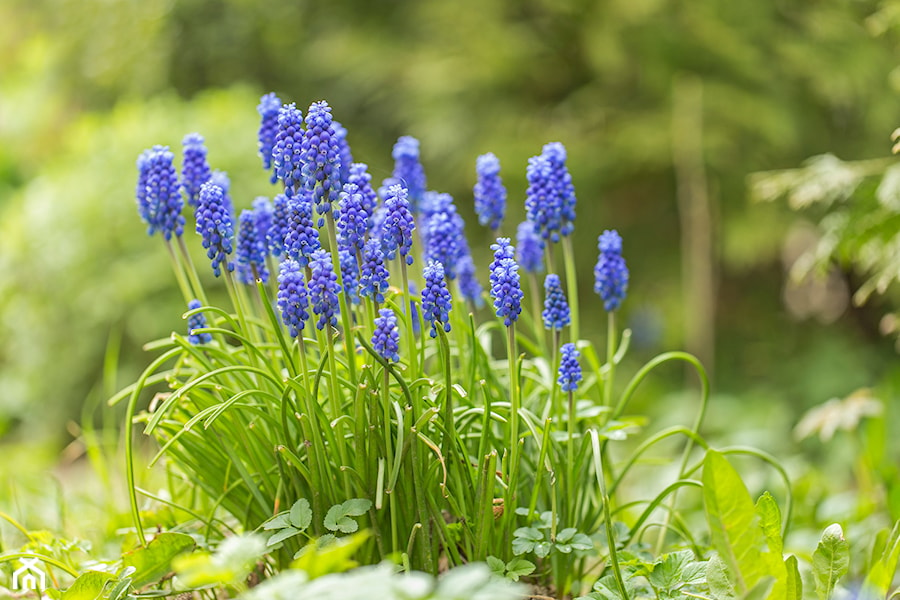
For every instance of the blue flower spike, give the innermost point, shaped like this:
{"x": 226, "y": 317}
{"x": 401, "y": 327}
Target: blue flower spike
{"x": 287, "y": 150}
{"x": 293, "y": 298}
{"x": 268, "y": 109}
{"x": 251, "y": 250}
{"x": 506, "y": 289}
{"x": 436, "y": 300}
{"x": 529, "y": 248}
{"x": 160, "y": 202}
{"x": 215, "y": 227}
{"x": 373, "y": 277}
{"x": 556, "y": 308}
{"x": 197, "y": 321}
{"x": 195, "y": 169}
{"x": 320, "y": 154}
{"x": 569, "y": 368}
{"x": 610, "y": 273}
{"x": 398, "y": 225}
{"x": 386, "y": 338}
{"x": 323, "y": 289}
{"x": 408, "y": 171}
{"x": 490, "y": 195}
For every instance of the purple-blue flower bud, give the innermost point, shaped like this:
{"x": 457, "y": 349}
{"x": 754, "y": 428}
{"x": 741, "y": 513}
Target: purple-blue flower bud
{"x": 280, "y": 226}
{"x": 408, "y": 170}
{"x": 359, "y": 175}
{"x": 506, "y": 290}
{"x": 490, "y": 195}
{"x": 293, "y": 300}
{"x": 286, "y": 154}
{"x": 555, "y": 153}
{"x": 556, "y": 308}
{"x": 569, "y": 369}
{"x": 195, "y": 169}
{"x": 468, "y": 283}
{"x": 386, "y": 338}
{"x": 197, "y": 321}
{"x": 263, "y": 214}
{"x": 352, "y": 219}
{"x": 610, "y": 273}
{"x": 543, "y": 204}
{"x": 251, "y": 250}
{"x": 268, "y": 108}
{"x": 436, "y": 300}
{"x": 302, "y": 237}
{"x": 162, "y": 199}
{"x": 323, "y": 289}
{"x": 321, "y": 158}
{"x": 349, "y": 274}
{"x": 398, "y": 225}
{"x": 340, "y": 133}
{"x": 373, "y": 279}
{"x": 215, "y": 227}
{"x": 529, "y": 248}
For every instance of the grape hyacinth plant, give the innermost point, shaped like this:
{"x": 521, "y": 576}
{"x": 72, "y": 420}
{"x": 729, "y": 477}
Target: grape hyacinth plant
{"x": 363, "y": 432}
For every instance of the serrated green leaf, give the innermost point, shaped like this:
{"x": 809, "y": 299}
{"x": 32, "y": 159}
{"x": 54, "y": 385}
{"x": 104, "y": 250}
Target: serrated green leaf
{"x": 721, "y": 585}
{"x": 281, "y": 535}
{"x": 279, "y": 521}
{"x": 519, "y": 567}
{"x": 794, "y": 583}
{"x": 497, "y": 566}
{"x": 301, "y": 514}
{"x": 338, "y": 516}
{"x": 732, "y": 521}
{"x": 155, "y": 560}
{"x": 88, "y": 586}
{"x": 831, "y": 560}
{"x": 668, "y": 573}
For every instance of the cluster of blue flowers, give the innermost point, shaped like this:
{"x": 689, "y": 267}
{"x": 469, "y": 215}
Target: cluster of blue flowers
{"x": 312, "y": 161}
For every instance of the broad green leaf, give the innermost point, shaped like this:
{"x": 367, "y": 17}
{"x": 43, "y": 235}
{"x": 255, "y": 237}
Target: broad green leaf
{"x": 335, "y": 557}
{"x": 721, "y": 586}
{"x": 88, "y": 586}
{"x": 732, "y": 521}
{"x": 301, "y": 514}
{"x": 881, "y": 574}
{"x": 794, "y": 583}
{"x": 279, "y": 521}
{"x": 356, "y": 507}
{"x": 281, "y": 535}
{"x": 760, "y": 591}
{"x": 519, "y": 567}
{"x": 582, "y": 542}
{"x": 155, "y": 560}
{"x": 830, "y": 560}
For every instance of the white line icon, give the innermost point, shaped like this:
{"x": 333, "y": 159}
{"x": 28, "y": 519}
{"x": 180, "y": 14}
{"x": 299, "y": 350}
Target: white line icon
{"x": 29, "y": 577}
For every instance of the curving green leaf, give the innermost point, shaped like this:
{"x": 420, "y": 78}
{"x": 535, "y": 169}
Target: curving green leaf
{"x": 830, "y": 560}
{"x": 88, "y": 586}
{"x": 733, "y": 529}
{"x": 301, "y": 514}
{"x": 155, "y": 560}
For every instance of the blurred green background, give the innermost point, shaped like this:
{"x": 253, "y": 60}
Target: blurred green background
{"x": 665, "y": 107}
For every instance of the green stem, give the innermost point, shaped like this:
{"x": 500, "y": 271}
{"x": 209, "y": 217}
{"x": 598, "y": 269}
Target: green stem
{"x": 572, "y": 284}
{"x": 410, "y": 334}
{"x": 179, "y": 274}
{"x": 192, "y": 271}
{"x": 346, "y": 317}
